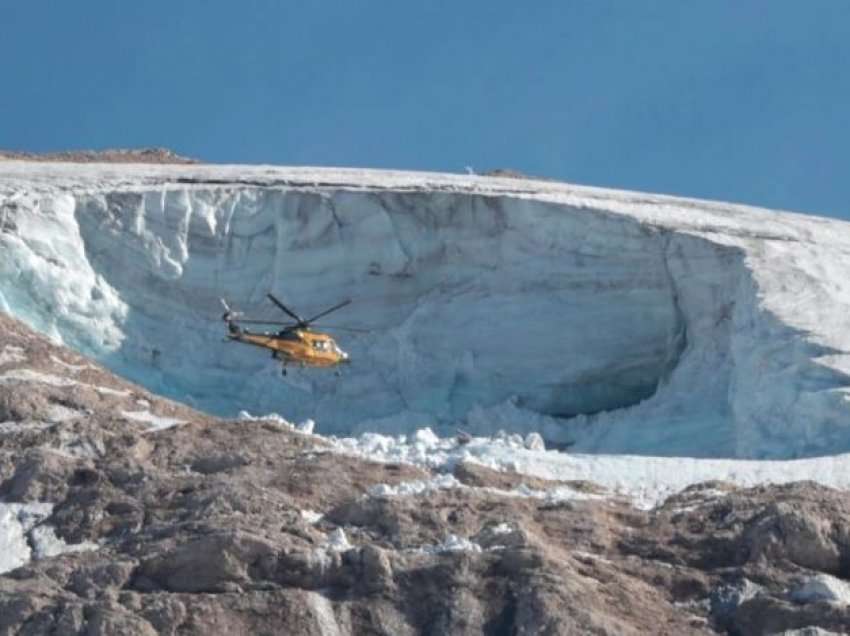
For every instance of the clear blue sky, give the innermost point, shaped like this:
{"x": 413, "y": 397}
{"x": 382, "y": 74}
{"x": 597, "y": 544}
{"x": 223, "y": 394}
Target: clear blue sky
{"x": 743, "y": 100}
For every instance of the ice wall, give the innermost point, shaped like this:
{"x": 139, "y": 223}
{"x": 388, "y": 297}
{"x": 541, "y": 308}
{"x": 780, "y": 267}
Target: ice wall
{"x": 604, "y": 329}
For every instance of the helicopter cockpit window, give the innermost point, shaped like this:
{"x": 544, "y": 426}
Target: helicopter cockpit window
{"x": 319, "y": 345}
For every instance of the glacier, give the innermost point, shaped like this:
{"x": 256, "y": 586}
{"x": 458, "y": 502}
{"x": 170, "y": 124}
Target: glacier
{"x": 607, "y": 321}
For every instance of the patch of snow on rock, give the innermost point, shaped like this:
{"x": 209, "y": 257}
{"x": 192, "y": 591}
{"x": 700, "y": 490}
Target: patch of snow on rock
{"x": 17, "y": 376}
{"x": 306, "y": 427}
{"x": 452, "y": 543}
{"x": 59, "y": 413}
{"x": 71, "y": 368}
{"x": 11, "y": 427}
{"x": 12, "y": 354}
{"x": 105, "y": 390}
{"x": 335, "y": 544}
{"x": 311, "y": 516}
{"x": 337, "y": 541}
{"x": 28, "y": 375}
{"x": 555, "y": 495}
{"x": 822, "y": 587}
{"x": 501, "y": 528}
{"x": 16, "y": 520}
{"x": 245, "y": 416}
{"x": 46, "y": 544}
{"x": 416, "y": 487}
{"x": 157, "y": 422}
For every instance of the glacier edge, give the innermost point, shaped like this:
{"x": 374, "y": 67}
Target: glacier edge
{"x": 655, "y": 325}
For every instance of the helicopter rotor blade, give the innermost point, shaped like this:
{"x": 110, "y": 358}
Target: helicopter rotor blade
{"x": 352, "y": 329}
{"x": 328, "y": 311}
{"x": 268, "y": 322}
{"x": 286, "y": 309}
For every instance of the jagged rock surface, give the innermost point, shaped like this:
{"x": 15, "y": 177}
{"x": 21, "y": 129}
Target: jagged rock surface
{"x": 109, "y": 155}
{"x": 201, "y": 526}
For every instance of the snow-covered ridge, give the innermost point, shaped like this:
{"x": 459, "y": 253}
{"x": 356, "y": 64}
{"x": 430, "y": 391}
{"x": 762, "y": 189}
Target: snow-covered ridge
{"x": 656, "y": 325}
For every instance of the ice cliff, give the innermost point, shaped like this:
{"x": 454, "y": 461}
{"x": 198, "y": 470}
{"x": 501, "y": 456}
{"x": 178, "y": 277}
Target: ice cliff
{"x": 608, "y": 321}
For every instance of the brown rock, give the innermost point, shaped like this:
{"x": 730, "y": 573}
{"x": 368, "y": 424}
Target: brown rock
{"x": 214, "y": 563}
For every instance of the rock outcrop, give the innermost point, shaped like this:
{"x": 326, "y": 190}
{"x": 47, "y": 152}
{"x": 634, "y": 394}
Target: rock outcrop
{"x": 109, "y": 155}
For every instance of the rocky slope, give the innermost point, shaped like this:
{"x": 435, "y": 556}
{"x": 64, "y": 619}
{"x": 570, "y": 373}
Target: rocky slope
{"x": 165, "y": 520}
{"x": 110, "y": 155}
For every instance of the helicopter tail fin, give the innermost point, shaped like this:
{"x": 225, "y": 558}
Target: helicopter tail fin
{"x": 229, "y": 316}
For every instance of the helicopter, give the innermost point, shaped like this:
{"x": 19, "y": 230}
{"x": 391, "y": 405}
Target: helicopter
{"x": 296, "y": 342}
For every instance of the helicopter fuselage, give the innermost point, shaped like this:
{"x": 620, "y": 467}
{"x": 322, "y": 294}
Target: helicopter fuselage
{"x": 299, "y": 346}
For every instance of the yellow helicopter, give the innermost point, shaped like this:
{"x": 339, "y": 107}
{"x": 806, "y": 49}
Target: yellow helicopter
{"x": 296, "y": 343}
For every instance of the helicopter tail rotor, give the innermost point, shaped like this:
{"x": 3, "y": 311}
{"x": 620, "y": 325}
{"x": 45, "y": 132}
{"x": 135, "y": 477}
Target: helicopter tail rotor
{"x": 229, "y": 316}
